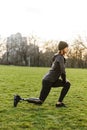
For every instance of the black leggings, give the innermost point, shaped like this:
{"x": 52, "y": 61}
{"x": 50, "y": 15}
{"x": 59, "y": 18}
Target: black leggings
{"x": 46, "y": 87}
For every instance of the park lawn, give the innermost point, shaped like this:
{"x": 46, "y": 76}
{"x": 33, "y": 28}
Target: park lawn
{"x": 26, "y": 81}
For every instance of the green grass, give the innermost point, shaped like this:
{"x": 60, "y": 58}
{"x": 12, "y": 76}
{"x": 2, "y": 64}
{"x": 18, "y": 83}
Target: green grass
{"x": 26, "y": 81}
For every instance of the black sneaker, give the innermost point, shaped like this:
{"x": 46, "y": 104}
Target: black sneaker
{"x": 35, "y": 100}
{"x": 17, "y": 99}
{"x": 60, "y": 105}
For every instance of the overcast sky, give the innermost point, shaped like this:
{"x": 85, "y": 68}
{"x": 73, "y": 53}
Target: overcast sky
{"x": 48, "y": 19}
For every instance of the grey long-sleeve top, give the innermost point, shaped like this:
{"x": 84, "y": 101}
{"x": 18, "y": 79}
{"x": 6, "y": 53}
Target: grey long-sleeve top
{"x": 57, "y": 69}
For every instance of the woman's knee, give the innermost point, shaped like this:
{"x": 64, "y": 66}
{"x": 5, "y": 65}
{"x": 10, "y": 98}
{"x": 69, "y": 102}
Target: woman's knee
{"x": 68, "y": 84}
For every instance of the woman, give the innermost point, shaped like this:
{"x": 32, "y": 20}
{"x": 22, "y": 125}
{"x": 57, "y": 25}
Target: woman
{"x": 56, "y": 77}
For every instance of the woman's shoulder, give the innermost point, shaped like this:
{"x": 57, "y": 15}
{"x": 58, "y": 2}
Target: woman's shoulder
{"x": 59, "y": 57}
{"x": 54, "y": 56}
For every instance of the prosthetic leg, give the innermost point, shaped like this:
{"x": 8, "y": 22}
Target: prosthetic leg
{"x": 17, "y": 99}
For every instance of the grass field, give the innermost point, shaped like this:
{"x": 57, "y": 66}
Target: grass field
{"x": 26, "y": 81}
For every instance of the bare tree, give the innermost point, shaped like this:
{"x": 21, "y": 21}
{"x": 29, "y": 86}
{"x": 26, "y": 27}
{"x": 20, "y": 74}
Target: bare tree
{"x": 76, "y": 54}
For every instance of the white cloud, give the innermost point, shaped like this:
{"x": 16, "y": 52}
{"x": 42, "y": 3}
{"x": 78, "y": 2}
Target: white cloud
{"x": 49, "y": 19}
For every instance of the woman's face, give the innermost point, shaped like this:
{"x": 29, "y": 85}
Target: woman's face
{"x": 65, "y": 50}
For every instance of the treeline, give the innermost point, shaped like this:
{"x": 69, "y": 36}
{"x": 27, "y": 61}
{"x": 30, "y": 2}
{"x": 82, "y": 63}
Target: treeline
{"x": 19, "y": 50}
